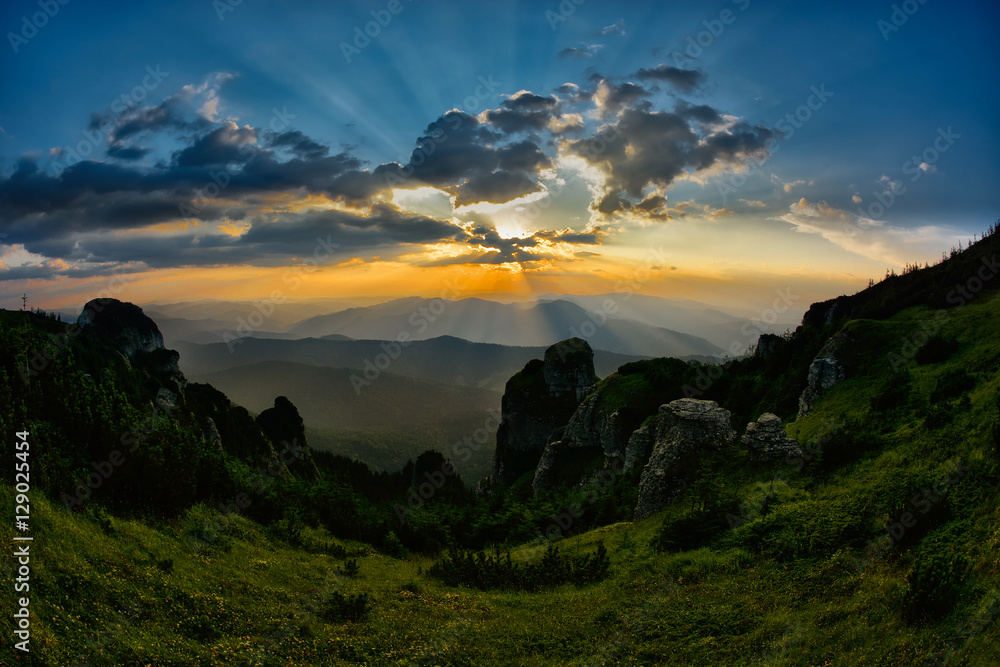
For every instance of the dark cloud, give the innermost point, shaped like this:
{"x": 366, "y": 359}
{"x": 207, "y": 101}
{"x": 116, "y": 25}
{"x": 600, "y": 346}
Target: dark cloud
{"x": 246, "y": 181}
{"x": 496, "y": 187}
{"x": 461, "y": 155}
{"x": 528, "y": 101}
{"x": 267, "y": 242}
{"x": 739, "y": 141}
{"x": 168, "y": 115}
{"x": 223, "y": 145}
{"x": 701, "y": 113}
{"x": 302, "y": 146}
{"x": 128, "y": 152}
{"x": 569, "y": 236}
{"x": 684, "y": 80}
{"x": 525, "y": 112}
{"x": 575, "y": 53}
{"x": 643, "y": 149}
{"x": 613, "y": 97}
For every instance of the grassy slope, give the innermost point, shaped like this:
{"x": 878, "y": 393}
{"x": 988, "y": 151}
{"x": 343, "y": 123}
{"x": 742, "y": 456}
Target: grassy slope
{"x": 781, "y": 589}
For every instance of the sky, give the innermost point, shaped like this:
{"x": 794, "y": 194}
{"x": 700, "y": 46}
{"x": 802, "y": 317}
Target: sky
{"x": 716, "y": 151}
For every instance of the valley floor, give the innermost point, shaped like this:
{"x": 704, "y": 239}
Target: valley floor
{"x": 117, "y": 592}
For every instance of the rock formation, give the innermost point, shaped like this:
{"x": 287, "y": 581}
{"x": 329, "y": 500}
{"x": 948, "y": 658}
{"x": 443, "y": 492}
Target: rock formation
{"x": 592, "y": 433}
{"x": 684, "y": 429}
{"x": 639, "y": 448}
{"x": 766, "y": 345}
{"x": 122, "y": 323}
{"x": 222, "y": 425}
{"x": 825, "y": 371}
{"x": 539, "y": 399}
{"x": 766, "y": 440}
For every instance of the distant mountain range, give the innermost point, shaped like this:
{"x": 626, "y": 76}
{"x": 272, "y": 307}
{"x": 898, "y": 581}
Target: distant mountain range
{"x": 632, "y": 324}
{"x": 444, "y": 359}
{"x": 533, "y": 324}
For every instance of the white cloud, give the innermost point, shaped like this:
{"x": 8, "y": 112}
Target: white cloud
{"x": 871, "y": 238}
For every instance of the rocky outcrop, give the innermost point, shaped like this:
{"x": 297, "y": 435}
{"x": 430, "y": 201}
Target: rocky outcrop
{"x": 136, "y": 341}
{"x": 538, "y": 400}
{"x": 825, "y": 371}
{"x": 590, "y": 434}
{"x": 685, "y": 428}
{"x": 766, "y": 345}
{"x": 139, "y": 341}
{"x": 638, "y": 449}
{"x": 766, "y": 440}
{"x": 122, "y": 323}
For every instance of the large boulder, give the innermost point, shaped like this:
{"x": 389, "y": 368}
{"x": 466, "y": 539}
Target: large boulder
{"x": 538, "y": 400}
{"x": 825, "y": 371}
{"x": 685, "y": 428}
{"x": 766, "y": 440}
{"x": 122, "y": 323}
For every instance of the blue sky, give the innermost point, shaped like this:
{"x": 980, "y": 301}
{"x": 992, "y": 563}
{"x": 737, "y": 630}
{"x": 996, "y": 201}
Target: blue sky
{"x": 752, "y": 206}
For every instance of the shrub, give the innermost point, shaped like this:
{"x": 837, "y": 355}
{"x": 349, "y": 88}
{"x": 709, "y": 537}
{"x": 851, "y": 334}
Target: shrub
{"x": 848, "y": 444}
{"x": 936, "y": 350}
{"x": 200, "y": 628}
{"x": 934, "y": 586}
{"x": 952, "y": 384}
{"x": 350, "y": 569}
{"x": 893, "y": 392}
{"x": 391, "y": 546}
{"x": 692, "y": 531}
{"x": 493, "y": 571}
{"x": 412, "y": 587}
{"x": 350, "y": 607}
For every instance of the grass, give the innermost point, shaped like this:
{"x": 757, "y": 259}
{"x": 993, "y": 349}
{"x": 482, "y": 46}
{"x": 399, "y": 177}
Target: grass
{"x": 793, "y": 584}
